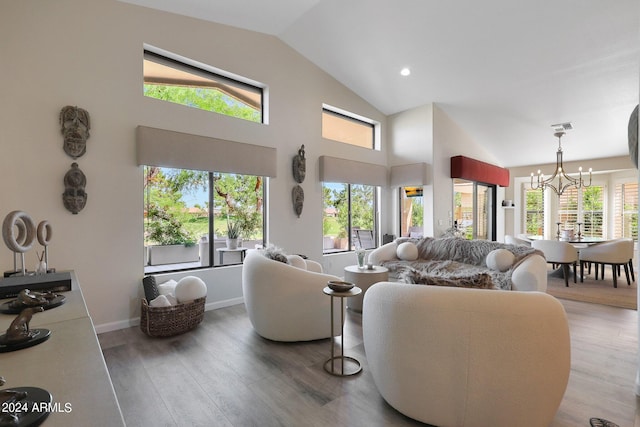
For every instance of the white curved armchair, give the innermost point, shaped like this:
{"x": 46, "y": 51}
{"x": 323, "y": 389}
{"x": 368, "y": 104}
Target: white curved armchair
{"x": 615, "y": 253}
{"x": 286, "y": 303}
{"x": 559, "y": 252}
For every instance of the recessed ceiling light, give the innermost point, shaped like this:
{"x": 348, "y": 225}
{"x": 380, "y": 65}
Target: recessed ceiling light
{"x": 405, "y": 72}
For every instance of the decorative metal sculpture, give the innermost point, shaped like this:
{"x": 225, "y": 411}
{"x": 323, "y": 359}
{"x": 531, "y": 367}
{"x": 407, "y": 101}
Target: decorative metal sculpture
{"x": 74, "y": 196}
{"x": 299, "y": 166}
{"x": 26, "y": 233}
{"x": 297, "y": 196}
{"x": 19, "y": 329}
{"x": 44, "y": 233}
{"x": 75, "y": 127}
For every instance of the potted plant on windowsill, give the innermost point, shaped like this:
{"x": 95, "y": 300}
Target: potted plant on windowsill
{"x": 233, "y": 234}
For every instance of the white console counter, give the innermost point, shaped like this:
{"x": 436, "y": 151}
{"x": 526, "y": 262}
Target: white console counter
{"x": 69, "y": 365}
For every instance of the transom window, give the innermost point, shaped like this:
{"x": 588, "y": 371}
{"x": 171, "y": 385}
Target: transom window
{"x": 342, "y": 126}
{"x": 196, "y": 85}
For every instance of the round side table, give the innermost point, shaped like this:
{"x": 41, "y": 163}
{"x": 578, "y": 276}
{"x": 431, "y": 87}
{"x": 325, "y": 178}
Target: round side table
{"x": 330, "y": 364}
{"x": 363, "y": 278}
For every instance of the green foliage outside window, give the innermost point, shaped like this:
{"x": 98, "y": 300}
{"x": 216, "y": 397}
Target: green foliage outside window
{"x": 203, "y": 98}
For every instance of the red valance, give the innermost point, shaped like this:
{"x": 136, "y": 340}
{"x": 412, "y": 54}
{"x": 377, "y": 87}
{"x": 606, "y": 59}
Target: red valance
{"x": 475, "y": 170}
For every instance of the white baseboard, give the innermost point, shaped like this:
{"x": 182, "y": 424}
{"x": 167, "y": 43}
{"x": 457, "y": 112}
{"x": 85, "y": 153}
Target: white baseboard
{"x": 123, "y": 324}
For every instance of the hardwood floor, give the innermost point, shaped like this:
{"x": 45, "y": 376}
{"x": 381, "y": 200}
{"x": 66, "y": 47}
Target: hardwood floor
{"x": 223, "y": 374}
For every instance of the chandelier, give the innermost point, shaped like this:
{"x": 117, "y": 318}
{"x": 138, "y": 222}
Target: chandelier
{"x": 564, "y": 181}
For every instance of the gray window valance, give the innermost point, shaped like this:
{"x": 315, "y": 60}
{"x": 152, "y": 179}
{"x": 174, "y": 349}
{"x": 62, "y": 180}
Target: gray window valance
{"x": 165, "y": 148}
{"x": 408, "y": 175}
{"x": 333, "y": 169}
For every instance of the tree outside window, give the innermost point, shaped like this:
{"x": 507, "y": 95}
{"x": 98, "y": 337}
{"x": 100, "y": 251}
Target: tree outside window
{"x": 346, "y": 208}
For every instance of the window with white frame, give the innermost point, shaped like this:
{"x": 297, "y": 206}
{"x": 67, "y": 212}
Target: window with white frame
{"x": 591, "y": 206}
{"x": 626, "y": 210}
{"x": 534, "y": 212}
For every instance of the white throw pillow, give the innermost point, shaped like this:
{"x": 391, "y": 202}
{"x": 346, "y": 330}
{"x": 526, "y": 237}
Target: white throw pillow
{"x": 160, "y": 301}
{"x": 167, "y": 288}
{"x": 190, "y": 288}
{"x": 500, "y": 259}
{"x": 297, "y": 261}
{"x": 407, "y": 251}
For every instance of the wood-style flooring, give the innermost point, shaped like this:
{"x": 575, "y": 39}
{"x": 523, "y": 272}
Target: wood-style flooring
{"x": 223, "y": 374}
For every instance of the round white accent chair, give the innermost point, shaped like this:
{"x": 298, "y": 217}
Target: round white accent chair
{"x": 286, "y": 303}
{"x": 451, "y": 356}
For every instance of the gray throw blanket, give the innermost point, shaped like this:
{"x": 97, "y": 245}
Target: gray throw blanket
{"x": 456, "y": 259}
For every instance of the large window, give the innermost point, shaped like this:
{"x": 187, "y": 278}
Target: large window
{"x": 590, "y": 201}
{"x": 349, "y": 217}
{"x": 626, "y": 210}
{"x": 189, "y": 83}
{"x": 346, "y": 127}
{"x": 188, "y": 214}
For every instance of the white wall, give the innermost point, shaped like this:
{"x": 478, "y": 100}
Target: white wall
{"x": 411, "y": 140}
{"x": 89, "y": 54}
{"x": 450, "y": 140}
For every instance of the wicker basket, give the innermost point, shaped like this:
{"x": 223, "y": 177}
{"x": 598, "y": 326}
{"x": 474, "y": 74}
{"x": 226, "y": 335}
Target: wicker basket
{"x": 169, "y": 321}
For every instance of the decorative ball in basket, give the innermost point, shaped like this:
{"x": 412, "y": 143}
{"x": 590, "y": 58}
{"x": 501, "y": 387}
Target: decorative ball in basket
{"x": 164, "y": 319}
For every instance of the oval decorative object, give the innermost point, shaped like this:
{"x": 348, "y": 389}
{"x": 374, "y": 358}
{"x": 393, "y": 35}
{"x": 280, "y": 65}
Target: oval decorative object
{"x": 22, "y": 222}
{"x": 297, "y": 196}
{"x": 44, "y": 233}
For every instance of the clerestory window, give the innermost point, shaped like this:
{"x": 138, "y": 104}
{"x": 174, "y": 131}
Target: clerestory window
{"x": 172, "y": 78}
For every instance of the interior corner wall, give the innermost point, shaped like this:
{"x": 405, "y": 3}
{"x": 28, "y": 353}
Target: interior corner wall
{"x": 410, "y": 134}
{"x": 450, "y": 140}
{"x": 89, "y": 54}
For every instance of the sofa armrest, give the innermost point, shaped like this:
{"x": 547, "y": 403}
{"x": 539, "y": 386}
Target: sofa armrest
{"x": 530, "y": 274}
{"x": 383, "y": 253}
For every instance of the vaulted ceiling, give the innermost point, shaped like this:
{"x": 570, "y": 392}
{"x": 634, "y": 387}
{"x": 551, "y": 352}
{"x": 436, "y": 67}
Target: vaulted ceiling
{"x": 504, "y": 70}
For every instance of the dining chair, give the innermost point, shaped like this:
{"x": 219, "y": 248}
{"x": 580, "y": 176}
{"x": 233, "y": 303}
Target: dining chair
{"x": 561, "y": 253}
{"x": 615, "y": 253}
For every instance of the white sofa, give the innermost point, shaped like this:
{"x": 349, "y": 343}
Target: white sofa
{"x": 528, "y": 274}
{"x": 285, "y": 302}
{"x": 467, "y": 357}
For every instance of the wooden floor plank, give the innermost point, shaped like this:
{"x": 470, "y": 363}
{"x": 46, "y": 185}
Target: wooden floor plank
{"x": 222, "y": 373}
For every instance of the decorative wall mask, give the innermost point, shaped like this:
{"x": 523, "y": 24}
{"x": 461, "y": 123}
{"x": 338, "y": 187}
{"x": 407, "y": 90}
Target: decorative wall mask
{"x": 299, "y": 166}
{"x": 74, "y": 196}
{"x": 75, "y": 127}
{"x": 633, "y": 136}
{"x": 297, "y": 196}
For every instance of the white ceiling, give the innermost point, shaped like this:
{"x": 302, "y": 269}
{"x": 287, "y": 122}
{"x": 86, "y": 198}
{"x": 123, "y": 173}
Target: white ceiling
{"x": 504, "y": 70}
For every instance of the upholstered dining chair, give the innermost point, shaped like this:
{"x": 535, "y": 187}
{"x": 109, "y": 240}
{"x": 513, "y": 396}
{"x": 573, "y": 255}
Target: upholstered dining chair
{"x": 615, "y": 253}
{"x": 559, "y": 253}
